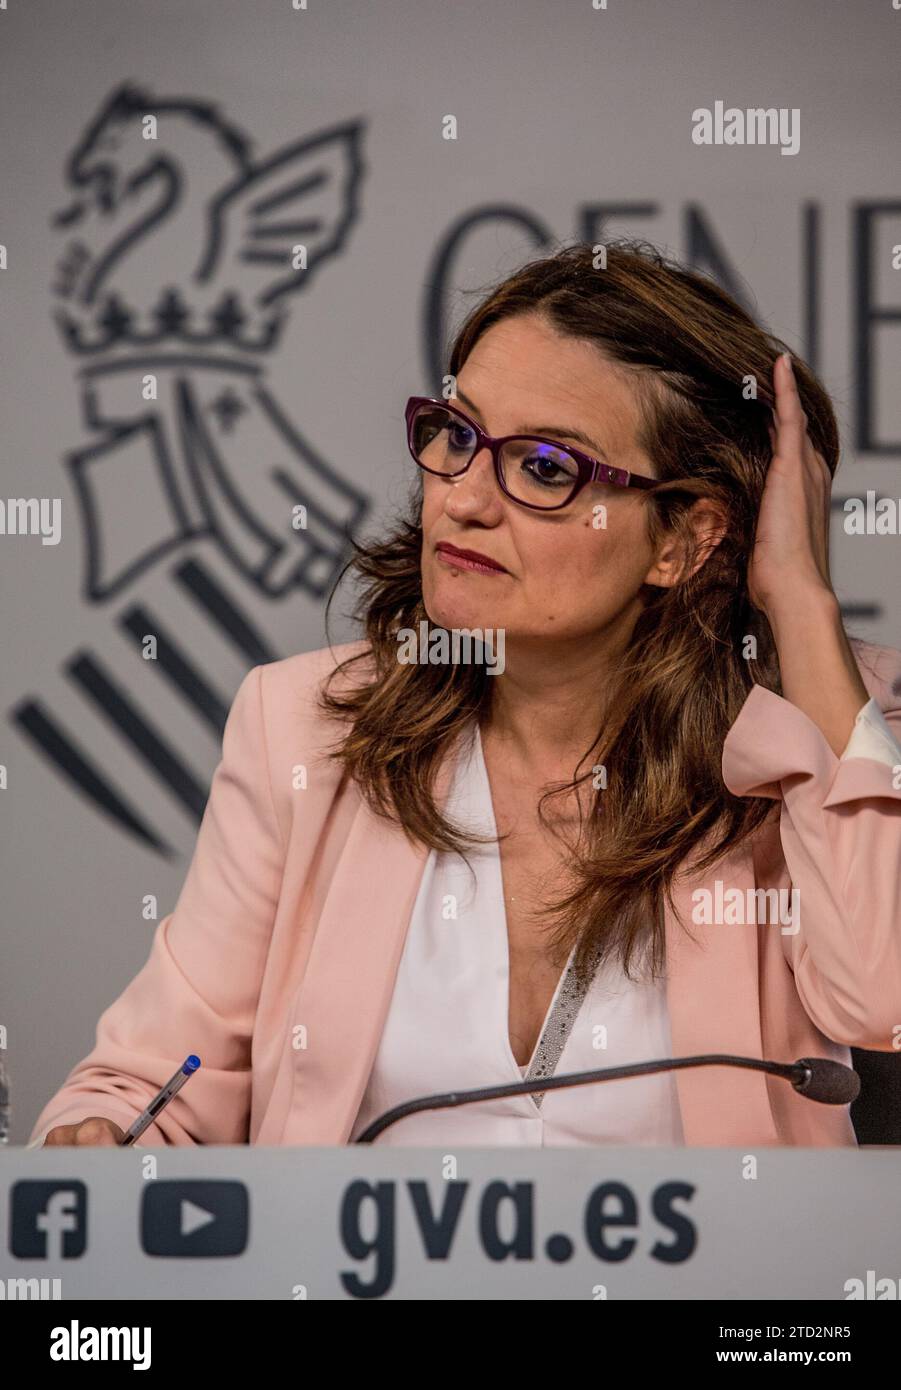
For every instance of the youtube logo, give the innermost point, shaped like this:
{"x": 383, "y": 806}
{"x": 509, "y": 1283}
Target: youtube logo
{"x": 203, "y": 1219}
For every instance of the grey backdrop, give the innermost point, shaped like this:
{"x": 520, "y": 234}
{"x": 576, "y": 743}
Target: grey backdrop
{"x": 572, "y": 121}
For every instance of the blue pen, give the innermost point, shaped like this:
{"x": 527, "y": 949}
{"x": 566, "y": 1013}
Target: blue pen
{"x": 161, "y": 1099}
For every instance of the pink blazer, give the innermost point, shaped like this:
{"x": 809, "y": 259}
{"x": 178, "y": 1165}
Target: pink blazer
{"x": 278, "y": 962}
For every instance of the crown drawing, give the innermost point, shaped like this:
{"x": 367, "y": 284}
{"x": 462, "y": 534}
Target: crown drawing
{"x": 171, "y": 319}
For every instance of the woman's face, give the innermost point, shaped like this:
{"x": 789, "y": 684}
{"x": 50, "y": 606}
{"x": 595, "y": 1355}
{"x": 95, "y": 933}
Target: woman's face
{"x": 565, "y": 576}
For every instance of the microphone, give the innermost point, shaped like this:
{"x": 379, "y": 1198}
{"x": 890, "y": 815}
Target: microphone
{"x": 818, "y": 1078}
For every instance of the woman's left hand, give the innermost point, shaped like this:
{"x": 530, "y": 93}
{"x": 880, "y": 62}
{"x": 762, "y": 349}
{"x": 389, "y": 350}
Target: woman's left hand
{"x": 791, "y": 544}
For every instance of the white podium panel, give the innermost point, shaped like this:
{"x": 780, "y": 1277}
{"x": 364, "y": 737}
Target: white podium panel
{"x": 360, "y": 1222}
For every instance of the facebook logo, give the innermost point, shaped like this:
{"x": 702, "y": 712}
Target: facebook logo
{"x": 48, "y": 1220}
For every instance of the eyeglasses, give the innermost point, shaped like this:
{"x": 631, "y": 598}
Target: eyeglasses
{"x": 535, "y": 472}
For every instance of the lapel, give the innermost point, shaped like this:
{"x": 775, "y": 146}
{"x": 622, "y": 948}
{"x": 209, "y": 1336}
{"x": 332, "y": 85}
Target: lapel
{"x": 349, "y": 979}
{"x": 712, "y": 995}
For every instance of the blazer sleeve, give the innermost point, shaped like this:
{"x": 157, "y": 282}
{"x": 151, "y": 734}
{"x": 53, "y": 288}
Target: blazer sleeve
{"x": 840, "y": 828}
{"x": 199, "y": 988}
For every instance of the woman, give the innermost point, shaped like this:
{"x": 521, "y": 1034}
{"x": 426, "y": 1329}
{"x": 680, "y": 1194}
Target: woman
{"x": 678, "y": 726}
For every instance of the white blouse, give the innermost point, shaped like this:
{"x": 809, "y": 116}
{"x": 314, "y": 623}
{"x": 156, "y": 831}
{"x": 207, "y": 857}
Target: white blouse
{"x": 447, "y": 1024}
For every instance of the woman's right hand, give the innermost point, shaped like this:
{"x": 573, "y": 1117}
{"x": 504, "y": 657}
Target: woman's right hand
{"x": 95, "y": 1130}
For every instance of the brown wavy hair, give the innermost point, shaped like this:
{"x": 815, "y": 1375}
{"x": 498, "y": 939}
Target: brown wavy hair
{"x": 690, "y": 349}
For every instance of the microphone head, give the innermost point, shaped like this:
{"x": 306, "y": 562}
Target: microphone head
{"x": 831, "y": 1083}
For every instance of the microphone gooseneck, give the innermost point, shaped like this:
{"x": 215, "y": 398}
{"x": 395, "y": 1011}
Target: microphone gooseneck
{"x": 816, "y": 1078}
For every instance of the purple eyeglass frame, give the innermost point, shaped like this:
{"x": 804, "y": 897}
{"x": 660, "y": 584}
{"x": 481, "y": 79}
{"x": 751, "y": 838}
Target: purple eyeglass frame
{"x": 591, "y": 470}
